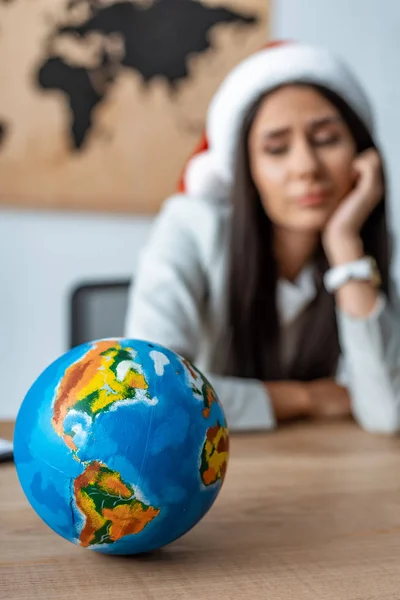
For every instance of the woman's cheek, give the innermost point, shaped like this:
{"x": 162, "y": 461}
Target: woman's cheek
{"x": 347, "y": 182}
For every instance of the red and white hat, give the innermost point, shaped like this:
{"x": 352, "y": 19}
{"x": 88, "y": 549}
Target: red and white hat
{"x": 209, "y": 171}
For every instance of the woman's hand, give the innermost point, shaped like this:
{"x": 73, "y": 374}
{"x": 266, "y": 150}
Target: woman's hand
{"x": 328, "y": 400}
{"x": 319, "y": 399}
{"x": 342, "y": 240}
{"x": 290, "y": 399}
{"x": 344, "y": 225}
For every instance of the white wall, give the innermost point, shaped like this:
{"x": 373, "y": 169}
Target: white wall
{"x": 366, "y": 34}
{"x": 43, "y": 256}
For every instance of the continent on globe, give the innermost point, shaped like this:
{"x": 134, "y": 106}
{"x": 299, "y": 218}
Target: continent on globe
{"x": 99, "y": 381}
{"x": 109, "y": 506}
{"x": 158, "y": 40}
{"x": 201, "y": 387}
{"x": 214, "y": 456}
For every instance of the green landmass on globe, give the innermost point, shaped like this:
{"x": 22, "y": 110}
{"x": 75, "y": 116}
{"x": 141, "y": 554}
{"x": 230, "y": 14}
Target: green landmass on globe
{"x": 109, "y": 506}
{"x": 104, "y": 376}
{"x": 201, "y": 387}
{"x": 214, "y": 456}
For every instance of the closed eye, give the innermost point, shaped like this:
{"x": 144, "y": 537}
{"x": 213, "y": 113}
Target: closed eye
{"x": 326, "y": 140}
{"x": 276, "y": 150}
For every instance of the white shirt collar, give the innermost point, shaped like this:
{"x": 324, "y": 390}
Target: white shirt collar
{"x": 294, "y": 296}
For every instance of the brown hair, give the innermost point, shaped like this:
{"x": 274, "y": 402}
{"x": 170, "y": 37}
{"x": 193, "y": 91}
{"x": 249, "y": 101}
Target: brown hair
{"x": 253, "y": 313}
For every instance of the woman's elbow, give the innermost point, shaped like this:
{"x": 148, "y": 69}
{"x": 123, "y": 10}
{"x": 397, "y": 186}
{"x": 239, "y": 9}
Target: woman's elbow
{"x": 387, "y": 423}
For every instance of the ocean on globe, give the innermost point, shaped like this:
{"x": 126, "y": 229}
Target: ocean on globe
{"x": 121, "y": 446}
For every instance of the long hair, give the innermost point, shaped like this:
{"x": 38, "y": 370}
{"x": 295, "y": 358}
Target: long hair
{"x": 253, "y": 319}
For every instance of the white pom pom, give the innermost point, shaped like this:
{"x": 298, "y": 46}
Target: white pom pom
{"x": 201, "y": 178}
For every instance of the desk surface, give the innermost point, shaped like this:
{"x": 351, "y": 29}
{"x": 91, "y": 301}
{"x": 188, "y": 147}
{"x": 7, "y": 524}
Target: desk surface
{"x": 310, "y": 511}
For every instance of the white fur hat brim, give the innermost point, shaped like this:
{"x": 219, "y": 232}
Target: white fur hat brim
{"x": 211, "y": 173}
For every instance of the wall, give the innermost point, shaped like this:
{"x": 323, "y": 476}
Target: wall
{"x": 366, "y": 34}
{"x": 43, "y": 257}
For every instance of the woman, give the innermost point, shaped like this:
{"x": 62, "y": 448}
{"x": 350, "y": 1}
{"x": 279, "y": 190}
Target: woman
{"x": 270, "y": 270}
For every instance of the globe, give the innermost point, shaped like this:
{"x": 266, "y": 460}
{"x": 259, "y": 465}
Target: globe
{"x": 121, "y": 446}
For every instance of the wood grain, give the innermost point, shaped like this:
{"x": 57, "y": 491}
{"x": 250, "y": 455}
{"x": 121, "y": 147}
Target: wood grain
{"x": 310, "y": 511}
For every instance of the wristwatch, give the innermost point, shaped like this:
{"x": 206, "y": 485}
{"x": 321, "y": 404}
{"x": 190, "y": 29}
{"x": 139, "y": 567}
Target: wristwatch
{"x": 363, "y": 269}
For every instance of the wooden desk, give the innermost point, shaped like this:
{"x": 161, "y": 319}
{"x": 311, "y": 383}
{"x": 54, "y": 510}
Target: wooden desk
{"x": 309, "y": 512}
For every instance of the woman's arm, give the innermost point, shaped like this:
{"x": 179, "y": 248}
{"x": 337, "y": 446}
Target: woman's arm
{"x": 371, "y": 349}
{"x": 319, "y": 399}
{"x": 368, "y": 324}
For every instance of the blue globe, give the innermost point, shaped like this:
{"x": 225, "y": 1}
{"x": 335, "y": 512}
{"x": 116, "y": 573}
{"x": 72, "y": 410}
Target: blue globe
{"x": 121, "y": 446}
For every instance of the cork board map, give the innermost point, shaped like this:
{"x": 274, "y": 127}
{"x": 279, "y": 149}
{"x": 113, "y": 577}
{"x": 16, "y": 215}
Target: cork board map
{"x": 102, "y": 101}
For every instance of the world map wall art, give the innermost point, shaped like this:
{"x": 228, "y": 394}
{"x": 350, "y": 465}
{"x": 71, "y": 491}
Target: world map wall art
{"x": 102, "y": 101}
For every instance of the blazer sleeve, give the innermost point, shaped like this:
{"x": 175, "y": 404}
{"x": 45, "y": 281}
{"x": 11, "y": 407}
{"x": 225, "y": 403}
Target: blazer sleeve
{"x": 371, "y": 357}
{"x": 167, "y": 300}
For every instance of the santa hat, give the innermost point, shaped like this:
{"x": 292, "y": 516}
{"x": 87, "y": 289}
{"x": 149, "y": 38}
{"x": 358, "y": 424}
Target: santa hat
{"x": 209, "y": 171}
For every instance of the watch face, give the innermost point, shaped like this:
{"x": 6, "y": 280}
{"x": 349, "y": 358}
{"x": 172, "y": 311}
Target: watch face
{"x": 376, "y": 279}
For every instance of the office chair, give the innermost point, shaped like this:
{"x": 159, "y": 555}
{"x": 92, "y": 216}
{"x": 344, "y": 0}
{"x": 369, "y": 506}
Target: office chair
{"x": 97, "y": 310}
